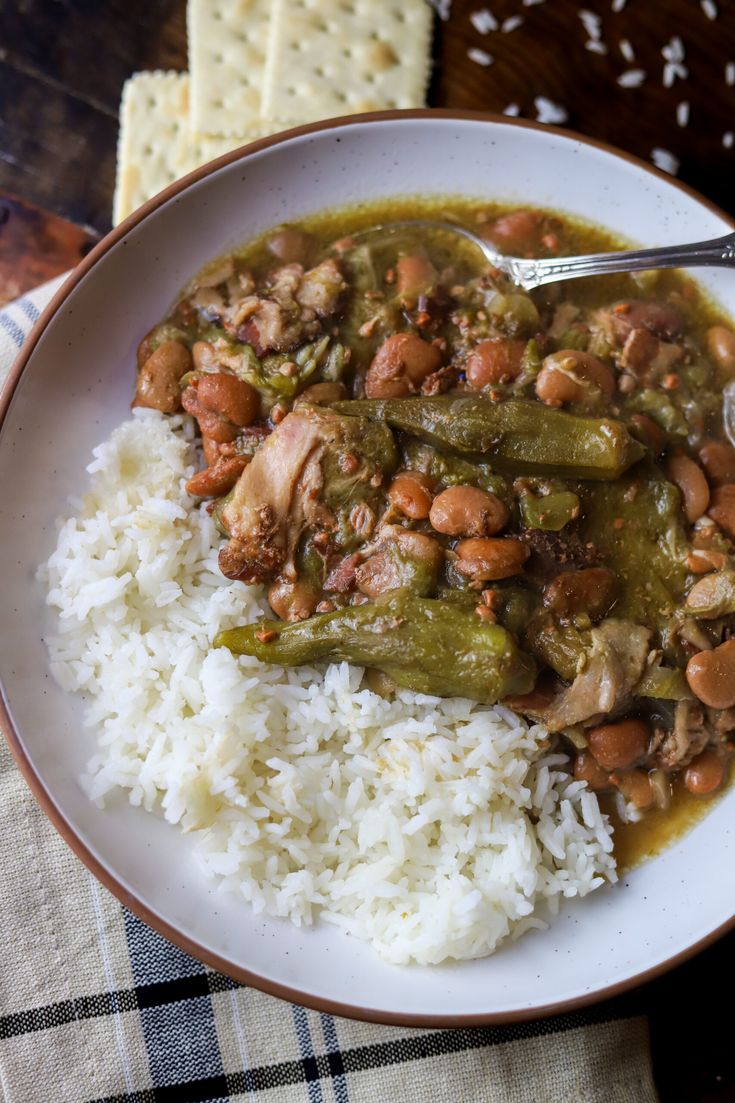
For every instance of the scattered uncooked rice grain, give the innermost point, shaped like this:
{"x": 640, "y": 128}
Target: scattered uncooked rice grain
{"x": 595, "y": 46}
{"x": 632, "y": 78}
{"x": 682, "y": 113}
{"x": 617, "y": 5}
{"x": 664, "y": 159}
{"x": 626, "y": 49}
{"x": 513, "y": 109}
{"x": 431, "y": 828}
{"x": 512, "y": 23}
{"x": 483, "y": 21}
{"x": 591, "y": 23}
{"x": 443, "y": 8}
{"x": 727, "y": 139}
{"x": 674, "y": 69}
{"x": 709, "y": 8}
{"x": 730, "y": 73}
{"x": 549, "y": 112}
{"x": 481, "y": 57}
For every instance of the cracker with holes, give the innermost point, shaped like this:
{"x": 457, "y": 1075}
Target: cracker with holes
{"x": 340, "y": 57}
{"x": 153, "y": 114}
{"x": 227, "y": 48}
{"x": 156, "y": 146}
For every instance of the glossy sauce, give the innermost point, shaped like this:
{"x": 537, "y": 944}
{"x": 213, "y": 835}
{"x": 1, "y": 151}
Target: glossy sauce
{"x": 658, "y": 828}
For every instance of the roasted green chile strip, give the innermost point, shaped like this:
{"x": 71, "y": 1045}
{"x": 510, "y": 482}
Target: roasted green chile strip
{"x": 425, "y": 645}
{"x": 521, "y": 435}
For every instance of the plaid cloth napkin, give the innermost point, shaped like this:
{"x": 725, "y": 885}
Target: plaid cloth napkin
{"x": 95, "y": 1006}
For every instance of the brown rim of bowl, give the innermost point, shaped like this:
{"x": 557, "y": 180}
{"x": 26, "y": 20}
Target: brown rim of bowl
{"x": 44, "y": 798}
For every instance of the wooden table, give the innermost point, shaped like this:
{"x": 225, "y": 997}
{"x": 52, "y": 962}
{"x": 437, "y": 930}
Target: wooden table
{"x": 61, "y": 70}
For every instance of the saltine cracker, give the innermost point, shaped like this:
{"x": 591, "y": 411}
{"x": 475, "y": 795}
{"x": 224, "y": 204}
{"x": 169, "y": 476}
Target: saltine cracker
{"x": 227, "y": 48}
{"x": 341, "y": 57}
{"x": 155, "y": 145}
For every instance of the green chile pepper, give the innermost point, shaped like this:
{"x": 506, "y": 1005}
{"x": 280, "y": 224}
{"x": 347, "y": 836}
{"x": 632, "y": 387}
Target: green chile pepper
{"x": 551, "y": 512}
{"x": 520, "y": 434}
{"x": 425, "y": 645}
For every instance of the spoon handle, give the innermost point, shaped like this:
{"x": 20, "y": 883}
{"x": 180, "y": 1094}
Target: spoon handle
{"x": 719, "y": 253}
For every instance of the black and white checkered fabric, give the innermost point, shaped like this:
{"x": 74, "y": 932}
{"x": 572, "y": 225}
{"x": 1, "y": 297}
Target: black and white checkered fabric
{"x": 97, "y": 1008}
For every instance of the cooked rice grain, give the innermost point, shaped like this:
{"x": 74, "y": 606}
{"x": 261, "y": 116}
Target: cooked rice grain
{"x": 431, "y": 828}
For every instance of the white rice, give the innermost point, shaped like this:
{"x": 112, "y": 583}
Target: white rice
{"x": 431, "y": 828}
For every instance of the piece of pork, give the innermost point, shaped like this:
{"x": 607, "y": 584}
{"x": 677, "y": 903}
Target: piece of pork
{"x": 616, "y": 322}
{"x": 690, "y": 734}
{"x": 648, "y": 358}
{"x": 552, "y": 552}
{"x": 321, "y": 287}
{"x": 614, "y": 666}
{"x": 288, "y": 311}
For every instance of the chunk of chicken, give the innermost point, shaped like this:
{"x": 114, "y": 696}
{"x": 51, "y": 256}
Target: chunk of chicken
{"x": 272, "y": 500}
{"x": 614, "y": 666}
{"x": 690, "y": 734}
{"x": 299, "y": 480}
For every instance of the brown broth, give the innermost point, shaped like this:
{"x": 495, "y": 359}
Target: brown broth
{"x": 659, "y": 827}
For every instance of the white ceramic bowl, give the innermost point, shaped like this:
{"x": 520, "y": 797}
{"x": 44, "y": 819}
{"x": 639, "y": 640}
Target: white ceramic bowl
{"x": 73, "y": 385}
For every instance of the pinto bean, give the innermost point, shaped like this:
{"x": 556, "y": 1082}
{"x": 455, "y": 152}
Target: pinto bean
{"x": 291, "y": 245}
{"x": 591, "y": 590}
{"x": 573, "y": 376}
{"x": 721, "y": 347}
{"x": 158, "y": 381}
{"x": 202, "y": 353}
{"x": 722, "y": 508}
{"x": 211, "y": 425}
{"x": 468, "y": 511}
{"x": 587, "y": 768}
{"x": 292, "y": 600}
{"x": 516, "y": 232}
{"x": 211, "y": 450}
{"x": 400, "y": 365}
{"x": 705, "y": 773}
{"x": 659, "y": 318}
{"x": 410, "y": 492}
{"x": 635, "y": 785}
{"x": 703, "y": 560}
{"x": 489, "y": 559}
{"x": 618, "y": 746}
{"x": 414, "y": 276}
{"x": 323, "y": 394}
{"x": 217, "y": 480}
{"x": 420, "y": 546}
{"x": 232, "y": 398}
{"x": 690, "y": 479}
{"x": 497, "y": 360}
{"x": 718, "y": 461}
{"x": 711, "y": 676}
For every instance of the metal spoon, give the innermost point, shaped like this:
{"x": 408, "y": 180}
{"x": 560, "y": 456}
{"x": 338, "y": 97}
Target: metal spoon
{"x": 718, "y": 253}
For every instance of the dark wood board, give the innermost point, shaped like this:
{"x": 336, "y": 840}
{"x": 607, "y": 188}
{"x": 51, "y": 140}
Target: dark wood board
{"x": 62, "y": 65}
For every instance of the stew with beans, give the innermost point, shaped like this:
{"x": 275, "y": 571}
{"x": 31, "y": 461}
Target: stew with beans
{"x": 471, "y": 490}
